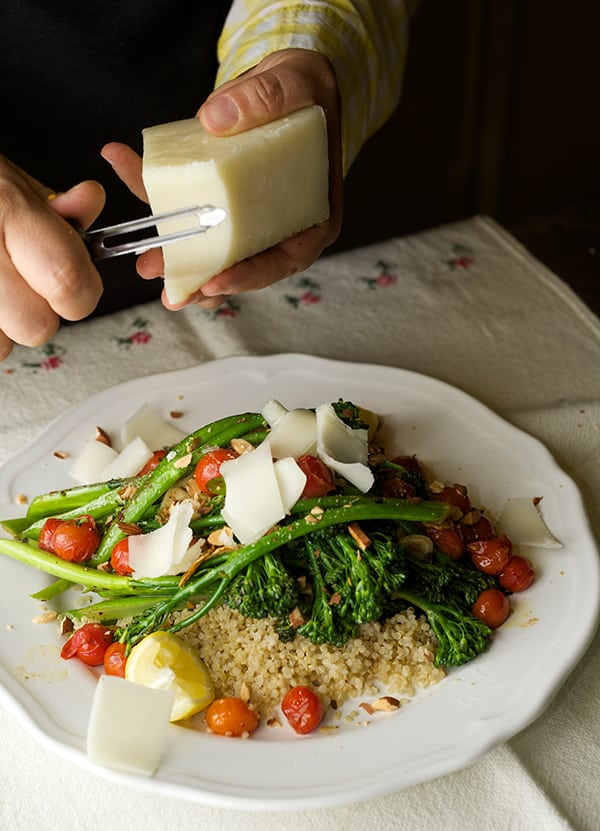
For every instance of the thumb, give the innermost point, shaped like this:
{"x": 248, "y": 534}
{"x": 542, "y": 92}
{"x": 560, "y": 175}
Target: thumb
{"x": 269, "y": 91}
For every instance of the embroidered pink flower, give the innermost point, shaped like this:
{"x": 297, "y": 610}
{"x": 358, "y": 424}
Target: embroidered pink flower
{"x": 226, "y": 311}
{"x": 463, "y": 262}
{"x": 383, "y": 279}
{"x": 51, "y": 358}
{"x": 53, "y": 362}
{"x": 309, "y": 294}
{"x": 462, "y": 258}
{"x": 230, "y": 308}
{"x": 309, "y": 297}
{"x": 140, "y": 337}
{"x": 386, "y": 279}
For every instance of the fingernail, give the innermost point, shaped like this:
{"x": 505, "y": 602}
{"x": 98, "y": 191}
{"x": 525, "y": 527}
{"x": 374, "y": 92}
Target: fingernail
{"x": 220, "y": 114}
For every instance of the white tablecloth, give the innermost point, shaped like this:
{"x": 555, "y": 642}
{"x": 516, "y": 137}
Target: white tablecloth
{"x": 463, "y": 303}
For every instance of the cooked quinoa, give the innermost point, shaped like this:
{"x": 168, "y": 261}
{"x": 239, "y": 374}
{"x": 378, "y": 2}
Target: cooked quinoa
{"x": 246, "y": 653}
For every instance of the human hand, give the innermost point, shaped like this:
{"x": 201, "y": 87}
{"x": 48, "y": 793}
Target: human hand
{"x": 45, "y": 270}
{"x": 280, "y": 84}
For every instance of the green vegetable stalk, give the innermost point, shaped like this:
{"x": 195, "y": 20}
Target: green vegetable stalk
{"x": 179, "y": 462}
{"x": 214, "y": 582}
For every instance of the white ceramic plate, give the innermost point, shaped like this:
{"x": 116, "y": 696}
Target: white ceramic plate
{"x": 442, "y": 730}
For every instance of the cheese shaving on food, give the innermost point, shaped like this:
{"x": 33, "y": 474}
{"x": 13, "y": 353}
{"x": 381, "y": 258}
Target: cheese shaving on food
{"x": 259, "y": 492}
{"x": 294, "y": 434}
{"x": 166, "y": 550}
{"x": 521, "y": 521}
{"x": 130, "y": 460}
{"x": 152, "y": 428}
{"x": 344, "y": 450}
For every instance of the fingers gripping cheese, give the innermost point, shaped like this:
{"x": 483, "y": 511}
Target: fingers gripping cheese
{"x": 271, "y": 180}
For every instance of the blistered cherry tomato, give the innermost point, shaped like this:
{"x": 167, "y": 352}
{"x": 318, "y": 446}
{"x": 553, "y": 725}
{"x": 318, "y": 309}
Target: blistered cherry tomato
{"x": 231, "y": 717}
{"x": 209, "y": 467}
{"x": 75, "y": 540}
{"x": 410, "y": 463}
{"x": 517, "y": 575}
{"x": 480, "y": 530}
{"x": 115, "y": 659}
{"x": 88, "y": 643}
{"x": 303, "y": 709}
{"x": 47, "y": 533}
{"x": 490, "y": 556}
{"x": 394, "y": 483}
{"x": 119, "y": 559}
{"x": 447, "y": 539}
{"x": 455, "y": 495}
{"x": 319, "y": 479}
{"x": 492, "y": 607}
{"x": 156, "y": 457}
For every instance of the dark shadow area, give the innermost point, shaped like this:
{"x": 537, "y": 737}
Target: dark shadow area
{"x": 499, "y": 117}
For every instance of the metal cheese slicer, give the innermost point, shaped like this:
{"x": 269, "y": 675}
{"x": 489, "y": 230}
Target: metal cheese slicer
{"x": 112, "y": 242}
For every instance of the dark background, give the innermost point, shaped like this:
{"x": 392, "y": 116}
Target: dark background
{"x": 500, "y": 115}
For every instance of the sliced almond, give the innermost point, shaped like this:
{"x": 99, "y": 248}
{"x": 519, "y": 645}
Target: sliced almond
{"x": 241, "y": 446}
{"x": 385, "y": 704}
{"x": 102, "y": 436}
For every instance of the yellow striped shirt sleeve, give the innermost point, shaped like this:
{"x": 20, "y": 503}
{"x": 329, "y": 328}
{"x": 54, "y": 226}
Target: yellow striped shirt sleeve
{"x": 366, "y": 42}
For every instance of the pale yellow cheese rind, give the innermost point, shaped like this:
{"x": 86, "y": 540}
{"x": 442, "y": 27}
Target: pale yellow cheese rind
{"x": 272, "y": 181}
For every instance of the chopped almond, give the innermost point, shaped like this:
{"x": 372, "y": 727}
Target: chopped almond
{"x": 385, "y": 704}
{"x": 359, "y": 536}
{"x": 296, "y": 618}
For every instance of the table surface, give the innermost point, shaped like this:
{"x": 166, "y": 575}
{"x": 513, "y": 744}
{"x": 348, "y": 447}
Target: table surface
{"x": 464, "y": 303}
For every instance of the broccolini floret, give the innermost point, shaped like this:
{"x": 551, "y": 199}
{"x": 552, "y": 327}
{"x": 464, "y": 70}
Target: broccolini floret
{"x": 264, "y": 589}
{"x": 460, "y": 636}
{"x": 356, "y": 580}
{"x": 324, "y": 625}
{"x": 447, "y": 581}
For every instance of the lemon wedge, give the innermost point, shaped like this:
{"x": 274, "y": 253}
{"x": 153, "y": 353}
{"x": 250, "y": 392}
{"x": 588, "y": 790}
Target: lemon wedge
{"x": 165, "y": 661}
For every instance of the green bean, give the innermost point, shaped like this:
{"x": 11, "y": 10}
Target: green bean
{"x": 178, "y": 463}
{"x": 59, "y": 501}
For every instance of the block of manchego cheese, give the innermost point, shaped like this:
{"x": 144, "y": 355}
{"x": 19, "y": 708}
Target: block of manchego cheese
{"x": 272, "y": 181}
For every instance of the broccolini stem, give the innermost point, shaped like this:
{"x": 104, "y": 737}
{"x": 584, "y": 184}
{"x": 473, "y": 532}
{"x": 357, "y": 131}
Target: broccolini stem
{"x": 59, "y": 501}
{"x": 411, "y": 511}
{"x": 113, "y": 609}
{"x": 82, "y": 575}
{"x": 76, "y": 573}
{"x": 317, "y": 518}
{"x": 99, "y": 508}
{"x": 53, "y": 589}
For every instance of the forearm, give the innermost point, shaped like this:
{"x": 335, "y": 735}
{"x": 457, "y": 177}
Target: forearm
{"x": 365, "y": 41}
